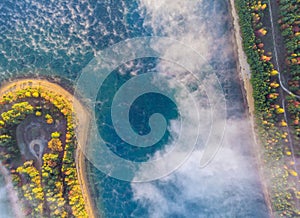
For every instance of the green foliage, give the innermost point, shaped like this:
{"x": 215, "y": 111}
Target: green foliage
{"x": 5, "y": 140}
{"x": 32, "y": 189}
{"x": 53, "y": 186}
{"x": 263, "y": 81}
{"x": 290, "y": 26}
{"x": 53, "y": 190}
{"x": 55, "y": 145}
{"x": 18, "y": 113}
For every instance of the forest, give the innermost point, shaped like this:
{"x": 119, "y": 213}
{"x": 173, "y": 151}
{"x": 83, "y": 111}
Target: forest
{"x": 272, "y": 126}
{"x": 46, "y": 179}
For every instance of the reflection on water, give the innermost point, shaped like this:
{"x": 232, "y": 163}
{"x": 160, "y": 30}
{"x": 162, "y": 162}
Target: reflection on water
{"x": 61, "y": 37}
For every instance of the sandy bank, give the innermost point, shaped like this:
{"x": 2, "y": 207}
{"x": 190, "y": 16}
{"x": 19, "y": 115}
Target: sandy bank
{"x": 245, "y": 75}
{"x": 82, "y": 116}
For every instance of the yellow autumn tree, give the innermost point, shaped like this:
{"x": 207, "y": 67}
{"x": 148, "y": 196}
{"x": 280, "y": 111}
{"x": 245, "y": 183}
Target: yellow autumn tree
{"x": 274, "y": 72}
{"x": 55, "y": 145}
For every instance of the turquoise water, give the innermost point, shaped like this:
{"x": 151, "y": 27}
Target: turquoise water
{"x": 59, "y": 38}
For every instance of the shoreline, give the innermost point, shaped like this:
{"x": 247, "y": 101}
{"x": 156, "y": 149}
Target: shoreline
{"x": 82, "y": 117}
{"x": 82, "y": 178}
{"x": 244, "y": 73}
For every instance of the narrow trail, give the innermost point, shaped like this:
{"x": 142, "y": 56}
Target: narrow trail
{"x": 280, "y": 80}
{"x": 285, "y": 89}
{"x": 276, "y": 55}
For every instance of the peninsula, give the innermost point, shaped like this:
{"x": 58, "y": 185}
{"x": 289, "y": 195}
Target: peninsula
{"x": 40, "y": 150}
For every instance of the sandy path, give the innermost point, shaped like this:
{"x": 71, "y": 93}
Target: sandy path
{"x": 80, "y": 165}
{"x": 82, "y": 116}
{"x": 245, "y": 75}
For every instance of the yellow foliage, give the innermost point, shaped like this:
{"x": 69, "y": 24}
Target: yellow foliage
{"x": 294, "y": 61}
{"x": 56, "y": 212}
{"x": 262, "y": 31}
{"x": 280, "y": 110}
{"x": 28, "y": 94}
{"x": 265, "y": 58}
{"x": 293, "y": 172}
{"x": 33, "y": 191}
{"x": 35, "y": 94}
{"x": 55, "y": 135}
{"x": 28, "y": 163}
{"x": 49, "y": 118}
{"x": 64, "y": 214}
{"x": 68, "y": 135}
{"x": 274, "y": 72}
{"x": 49, "y": 121}
{"x": 283, "y": 123}
{"x": 40, "y": 207}
{"x": 55, "y": 145}
{"x": 273, "y": 95}
{"x": 264, "y": 6}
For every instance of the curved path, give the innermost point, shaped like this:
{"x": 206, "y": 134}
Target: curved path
{"x": 285, "y": 89}
{"x": 276, "y": 54}
{"x": 82, "y": 117}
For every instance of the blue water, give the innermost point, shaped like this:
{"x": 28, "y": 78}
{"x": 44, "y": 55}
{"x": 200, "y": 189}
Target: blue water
{"x": 59, "y": 38}
{"x": 140, "y": 111}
